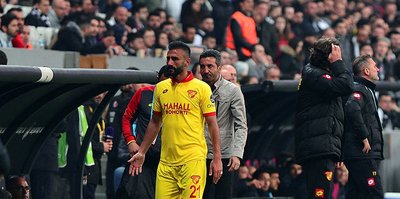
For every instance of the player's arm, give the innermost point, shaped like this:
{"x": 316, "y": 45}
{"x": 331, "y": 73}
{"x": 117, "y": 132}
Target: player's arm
{"x": 216, "y": 163}
{"x": 151, "y": 132}
{"x": 127, "y": 119}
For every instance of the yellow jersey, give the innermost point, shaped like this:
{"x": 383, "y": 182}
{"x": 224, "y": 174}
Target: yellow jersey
{"x": 183, "y": 106}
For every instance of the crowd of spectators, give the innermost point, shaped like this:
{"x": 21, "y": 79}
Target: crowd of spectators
{"x": 280, "y": 177}
{"x": 257, "y": 34}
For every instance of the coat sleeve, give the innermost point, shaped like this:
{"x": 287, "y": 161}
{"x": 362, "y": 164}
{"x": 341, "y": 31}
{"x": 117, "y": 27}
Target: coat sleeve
{"x": 130, "y": 115}
{"x": 353, "y": 108}
{"x": 331, "y": 86}
{"x": 238, "y": 110}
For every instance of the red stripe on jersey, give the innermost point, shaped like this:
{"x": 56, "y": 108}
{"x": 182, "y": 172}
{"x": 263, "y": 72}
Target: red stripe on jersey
{"x": 209, "y": 114}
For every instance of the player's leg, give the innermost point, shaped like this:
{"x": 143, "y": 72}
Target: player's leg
{"x": 193, "y": 179}
{"x": 166, "y": 182}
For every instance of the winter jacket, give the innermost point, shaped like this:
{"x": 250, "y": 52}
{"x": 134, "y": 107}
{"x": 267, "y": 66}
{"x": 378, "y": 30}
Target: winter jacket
{"x": 362, "y": 121}
{"x": 319, "y": 113}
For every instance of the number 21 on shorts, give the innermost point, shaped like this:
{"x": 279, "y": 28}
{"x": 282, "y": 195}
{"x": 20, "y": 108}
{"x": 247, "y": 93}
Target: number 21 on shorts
{"x": 195, "y": 191}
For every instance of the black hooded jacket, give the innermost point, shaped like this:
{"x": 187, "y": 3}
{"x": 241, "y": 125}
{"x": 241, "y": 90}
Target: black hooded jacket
{"x": 362, "y": 121}
{"x": 319, "y": 113}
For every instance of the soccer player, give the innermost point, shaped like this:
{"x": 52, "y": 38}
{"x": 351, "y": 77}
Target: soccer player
{"x": 181, "y": 104}
{"x": 139, "y": 109}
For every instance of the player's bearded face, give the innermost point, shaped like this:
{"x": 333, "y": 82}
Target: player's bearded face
{"x": 174, "y": 72}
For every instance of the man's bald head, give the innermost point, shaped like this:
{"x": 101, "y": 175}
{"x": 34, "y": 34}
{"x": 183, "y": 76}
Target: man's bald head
{"x": 230, "y": 73}
{"x": 60, "y": 7}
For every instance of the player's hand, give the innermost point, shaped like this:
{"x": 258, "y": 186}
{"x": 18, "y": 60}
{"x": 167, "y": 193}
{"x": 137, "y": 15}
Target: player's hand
{"x": 234, "y": 163}
{"x": 215, "y": 169}
{"x": 133, "y": 148}
{"x": 336, "y": 54}
{"x": 366, "y": 147}
{"x": 136, "y": 164}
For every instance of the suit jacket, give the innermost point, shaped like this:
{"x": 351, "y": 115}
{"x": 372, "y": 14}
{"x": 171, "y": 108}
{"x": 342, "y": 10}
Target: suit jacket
{"x": 231, "y": 116}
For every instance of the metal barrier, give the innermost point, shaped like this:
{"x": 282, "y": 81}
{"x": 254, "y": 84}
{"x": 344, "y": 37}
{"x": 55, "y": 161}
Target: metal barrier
{"x": 33, "y": 100}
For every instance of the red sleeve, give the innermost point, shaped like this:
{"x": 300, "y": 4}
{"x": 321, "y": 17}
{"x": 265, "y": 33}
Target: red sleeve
{"x": 130, "y": 116}
{"x": 209, "y": 114}
{"x": 17, "y": 42}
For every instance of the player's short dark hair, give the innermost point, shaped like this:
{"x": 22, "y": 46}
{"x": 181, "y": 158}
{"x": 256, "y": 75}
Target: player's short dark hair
{"x": 179, "y": 45}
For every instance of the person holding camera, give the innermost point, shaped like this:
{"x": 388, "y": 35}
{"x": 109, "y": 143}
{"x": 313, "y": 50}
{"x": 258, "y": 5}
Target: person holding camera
{"x": 320, "y": 117}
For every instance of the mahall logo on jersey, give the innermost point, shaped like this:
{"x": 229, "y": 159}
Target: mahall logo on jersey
{"x": 177, "y": 108}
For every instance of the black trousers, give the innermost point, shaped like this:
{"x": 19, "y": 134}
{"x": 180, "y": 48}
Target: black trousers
{"x": 138, "y": 186}
{"x": 223, "y": 189}
{"x": 364, "y": 179}
{"x": 319, "y": 177}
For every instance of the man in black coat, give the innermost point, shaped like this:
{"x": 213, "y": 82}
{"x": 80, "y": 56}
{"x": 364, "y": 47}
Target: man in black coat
{"x": 363, "y": 143}
{"x": 320, "y": 117}
{"x": 72, "y": 38}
